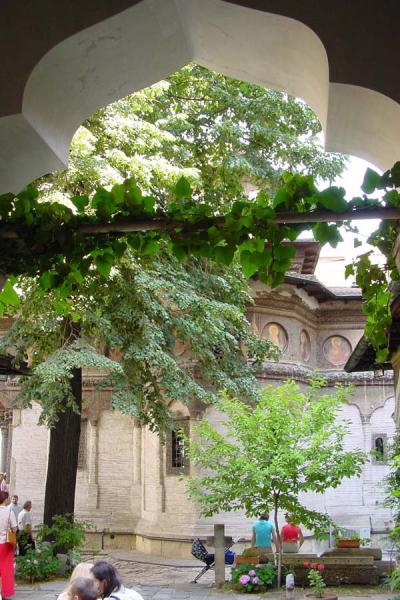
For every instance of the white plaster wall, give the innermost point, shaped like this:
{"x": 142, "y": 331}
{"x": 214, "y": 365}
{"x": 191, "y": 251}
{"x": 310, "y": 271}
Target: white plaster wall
{"x": 382, "y": 421}
{"x": 348, "y": 497}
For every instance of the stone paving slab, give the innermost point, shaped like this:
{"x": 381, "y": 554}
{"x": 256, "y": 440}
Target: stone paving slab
{"x": 149, "y": 559}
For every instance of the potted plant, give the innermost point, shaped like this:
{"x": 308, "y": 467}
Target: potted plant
{"x": 348, "y": 541}
{"x": 317, "y": 583}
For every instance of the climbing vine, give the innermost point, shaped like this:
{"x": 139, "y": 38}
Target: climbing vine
{"x": 62, "y": 244}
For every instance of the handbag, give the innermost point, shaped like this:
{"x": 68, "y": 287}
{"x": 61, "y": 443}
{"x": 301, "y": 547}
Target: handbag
{"x": 11, "y": 535}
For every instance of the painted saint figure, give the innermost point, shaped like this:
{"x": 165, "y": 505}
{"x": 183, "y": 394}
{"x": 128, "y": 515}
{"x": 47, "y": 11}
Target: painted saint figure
{"x": 337, "y": 350}
{"x": 277, "y": 335}
{"x": 305, "y": 349}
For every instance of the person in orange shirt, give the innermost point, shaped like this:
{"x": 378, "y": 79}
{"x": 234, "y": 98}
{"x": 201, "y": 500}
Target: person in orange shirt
{"x": 292, "y": 536}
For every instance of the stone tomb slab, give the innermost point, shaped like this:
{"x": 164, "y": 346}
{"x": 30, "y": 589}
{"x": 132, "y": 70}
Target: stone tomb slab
{"x": 376, "y": 553}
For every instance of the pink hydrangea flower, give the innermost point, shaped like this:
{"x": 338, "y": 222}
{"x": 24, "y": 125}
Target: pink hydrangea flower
{"x": 255, "y": 580}
{"x": 258, "y": 566}
{"x": 252, "y": 573}
{"x": 244, "y": 580}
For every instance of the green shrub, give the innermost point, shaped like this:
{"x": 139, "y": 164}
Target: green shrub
{"x": 37, "y": 565}
{"x": 251, "y": 552}
{"x": 66, "y": 533}
{"x": 66, "y": 536}
{"x": 393, "y": 580}
{"x": 252, "y": 578}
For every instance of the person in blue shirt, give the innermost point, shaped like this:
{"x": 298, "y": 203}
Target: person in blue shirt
{"x": 264, "y": 534}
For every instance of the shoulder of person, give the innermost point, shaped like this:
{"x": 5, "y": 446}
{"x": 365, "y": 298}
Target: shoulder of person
{"x": 125, "y": 594}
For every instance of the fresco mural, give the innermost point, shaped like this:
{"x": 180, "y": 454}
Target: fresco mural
{"x": 305, "y": 346}
{"x": 276, "y": 334}
{"x": 336, "y": 350}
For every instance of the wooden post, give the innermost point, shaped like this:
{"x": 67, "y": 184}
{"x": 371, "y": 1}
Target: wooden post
{"x": 219, "y": 546}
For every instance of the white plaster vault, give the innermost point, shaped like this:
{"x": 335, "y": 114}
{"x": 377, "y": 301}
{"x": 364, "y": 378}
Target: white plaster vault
{"x": 154, "y": 38}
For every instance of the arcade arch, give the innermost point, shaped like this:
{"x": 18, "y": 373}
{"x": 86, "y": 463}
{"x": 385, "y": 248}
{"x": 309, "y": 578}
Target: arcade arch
{"x": 153, "y": 38}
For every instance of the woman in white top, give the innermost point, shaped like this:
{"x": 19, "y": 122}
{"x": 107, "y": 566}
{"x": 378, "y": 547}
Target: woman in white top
{"x": 110, "y": 584}
{"x": 8, "y": 522}
{"x": 25, "y": 537}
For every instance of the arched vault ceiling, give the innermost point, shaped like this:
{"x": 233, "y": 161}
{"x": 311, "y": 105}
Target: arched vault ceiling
{"x": 63, "y": 60}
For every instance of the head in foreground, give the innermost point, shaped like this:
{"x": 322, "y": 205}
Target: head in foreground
{"x": 108, "y": 579}
{"x": 83, "y": 588}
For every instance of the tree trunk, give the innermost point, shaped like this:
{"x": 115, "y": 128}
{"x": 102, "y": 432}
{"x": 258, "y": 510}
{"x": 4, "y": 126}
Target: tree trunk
{"x": 279, "y": 574}
{"x": 63, "y": 453}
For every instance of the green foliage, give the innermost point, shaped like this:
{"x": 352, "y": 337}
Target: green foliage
{"x": 37, "y": 565}
{"x": 49, "y": 384}
{"x": 252, "y": 578}
{"x": 316, "y": 580}
{"x": 393, "y": 502}
{"x": 393, "y": 581}
{"x": 66, "y": 533}
{"x": 373, "y": 278}
{"x": 270, "y": 452}
{"x": 179, "y": 154}
{"x": 179, "y": 150}
{"x": 190, "y": 225}
{"x": 142, "y": 310}
{"x": 161, "y": 156}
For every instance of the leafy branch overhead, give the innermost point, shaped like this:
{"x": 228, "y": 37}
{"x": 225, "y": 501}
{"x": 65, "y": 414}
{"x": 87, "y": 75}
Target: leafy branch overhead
{"x": 56, "y": 241}
{"x": 63, "y": 244}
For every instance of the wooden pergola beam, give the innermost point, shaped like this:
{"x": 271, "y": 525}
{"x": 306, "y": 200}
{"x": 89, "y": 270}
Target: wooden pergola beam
{"x": 134, "y": 224}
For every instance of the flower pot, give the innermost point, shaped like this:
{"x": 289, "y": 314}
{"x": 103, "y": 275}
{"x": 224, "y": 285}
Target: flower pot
{"x": 347, "y": 543}
{"x": 247, "y": 560}
{"x": 325, "y": 596}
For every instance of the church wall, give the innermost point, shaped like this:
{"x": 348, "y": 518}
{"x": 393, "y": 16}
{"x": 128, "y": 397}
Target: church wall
{"x": 115, "y": 473}
{"x": 29, "y": 459}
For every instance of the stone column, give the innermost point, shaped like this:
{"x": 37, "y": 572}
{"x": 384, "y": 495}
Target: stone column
{"x": 92, "y": 464}
{"x": 4, "y": 448}
{"x": 163, "y": 498}
{"x": 366, "y": 475}
{"x": 219, "y": 546}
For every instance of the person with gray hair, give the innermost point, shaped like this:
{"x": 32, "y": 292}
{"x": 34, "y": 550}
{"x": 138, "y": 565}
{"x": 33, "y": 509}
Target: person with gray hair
{"x": 83, "y": 588}
{"x": 25, "y": 537}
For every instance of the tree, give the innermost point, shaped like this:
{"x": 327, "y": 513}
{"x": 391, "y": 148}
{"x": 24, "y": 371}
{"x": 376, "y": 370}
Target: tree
{"x": 140, "y": 310}
{"x": 133, "y": 293}
{"x": 220, "y": 132}
{"x": 267, "y": 453}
